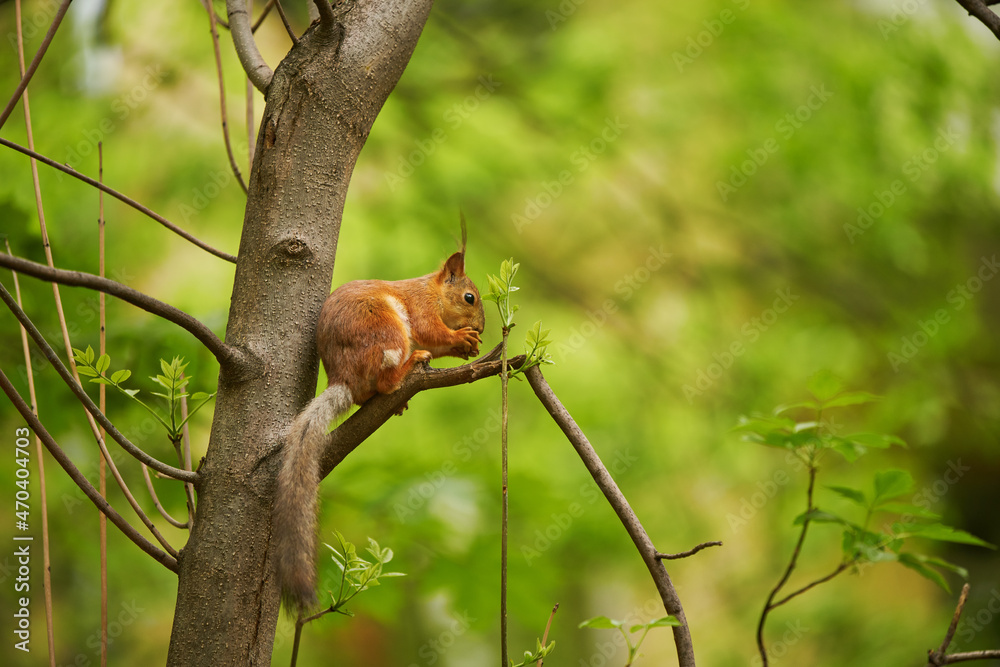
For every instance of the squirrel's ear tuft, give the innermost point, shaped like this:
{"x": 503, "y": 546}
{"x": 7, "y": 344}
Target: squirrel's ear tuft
{"x": 453, "y": 268}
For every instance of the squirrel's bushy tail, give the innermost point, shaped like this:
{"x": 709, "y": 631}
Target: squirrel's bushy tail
{"x": 296, "y": 501}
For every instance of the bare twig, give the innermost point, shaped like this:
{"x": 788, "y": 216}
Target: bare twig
{"x": 78, "y": 478}
{"x": 284, "y": 22}
{"x": 156, "y": 501}
{"x": 769, "y": 605}
{"x": 81, "y": 395}
{"x": 545, "y": 635}
{"x": 186, "y": 460}
{"x": 227, "y": 356}
{"x": 618, "y": 502}
{"x": 940, "y": 656}
{"x": 253, "y": 63}
{"x": 120, "y": 197}
{"x": 986, "y": 15}
{"x": 263, "y": 14}
{"x": 222, "y": 100}
{"x": 822, "y": 580}
{"x": 30, "y": 71}
{"x": 689, "y": 552}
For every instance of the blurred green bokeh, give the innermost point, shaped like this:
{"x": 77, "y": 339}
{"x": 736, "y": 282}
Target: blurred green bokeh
{"x": 709, "y": 202}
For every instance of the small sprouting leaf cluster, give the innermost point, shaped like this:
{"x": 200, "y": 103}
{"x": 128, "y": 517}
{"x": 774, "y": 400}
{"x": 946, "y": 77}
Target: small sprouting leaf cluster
{"x": 539, "y": 653}
{"x": 172, "y": 380}
{"x": 356, "y": 573}
{"x": 810, "y": 438}
{"x": 603, "y": 622}
{"x": 537, "y": 341}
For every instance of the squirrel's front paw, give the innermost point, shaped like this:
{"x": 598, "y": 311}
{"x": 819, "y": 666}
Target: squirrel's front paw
{"x": 468, "y": 343}
{"x": 421, "y": 356}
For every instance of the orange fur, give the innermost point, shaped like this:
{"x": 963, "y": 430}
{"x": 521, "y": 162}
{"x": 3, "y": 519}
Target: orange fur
{"x": 369, "y": 336}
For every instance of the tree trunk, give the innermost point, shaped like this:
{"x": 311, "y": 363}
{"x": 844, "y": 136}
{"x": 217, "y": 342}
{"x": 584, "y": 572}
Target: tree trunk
{"x": 320, "y": 106}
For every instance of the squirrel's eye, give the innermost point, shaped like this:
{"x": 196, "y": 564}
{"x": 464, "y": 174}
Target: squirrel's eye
{"x": 470, "y": 298}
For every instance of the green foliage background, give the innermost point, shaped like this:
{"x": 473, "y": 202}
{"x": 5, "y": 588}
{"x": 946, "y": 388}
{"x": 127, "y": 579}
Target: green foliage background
{"x": 588, "y": 140}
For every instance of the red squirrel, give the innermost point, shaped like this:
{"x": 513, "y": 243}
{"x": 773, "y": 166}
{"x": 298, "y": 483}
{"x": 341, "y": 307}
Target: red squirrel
{"x": 369, "y": 336}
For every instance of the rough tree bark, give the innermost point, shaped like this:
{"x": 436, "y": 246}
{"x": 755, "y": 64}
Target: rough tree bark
{"x": 320, "y": 105}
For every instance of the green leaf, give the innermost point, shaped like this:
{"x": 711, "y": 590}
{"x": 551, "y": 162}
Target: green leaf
{"x": 876, "y": 440}
{"x": 600, "y": 622}
{"x": 912, "y": 510}
{"x": 200, "y": 396}
{"x": 131, "y": 392}
{"x": 919, "y": 566}
{"x": 824, "y": 385}
{"x": 120, "y": 376}
{"x": 853, "y": 495}
{"x": 940, "y": 533}
{"x": 891, "y": 484}
{"x": 166, "y": 368}
{"x": 781, "y": 409}
{"x": 88, "y": 356}
{"x": 86, "y": 371}
{"x": 850, "y": 398}
{"x": 851, "y": 451}
{"x": 819, "y": 516}
{"x": 100, "y": 380}
{"x": 103, "y": 362}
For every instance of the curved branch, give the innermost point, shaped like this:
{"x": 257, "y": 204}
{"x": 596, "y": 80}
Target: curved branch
{"x": 618, "y": 502}
{"x": 376, "y": 411}
{"x": 253, "y": 63}
{"x": 689, "y": 552}
{"x": 53, "y": 358}
{"x": 120, "y": 197}
{"x": 229, "y": 357}
{"x": 78, "y": 478}
{"x": 326, "y": 14}
{"x": 986, "y": 15}
{"x": 222, "y": 100}
{"x": 56, "y": 20}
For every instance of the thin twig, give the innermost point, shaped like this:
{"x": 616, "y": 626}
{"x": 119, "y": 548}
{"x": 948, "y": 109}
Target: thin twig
{"x": 102, "y": 520}
{"x": 252, "y": 61}
{"x": 284, "y": 21}
{"x": 30, "y": 71}
{"x": 47, "y": 578}
{"x": 969, "y": 656}
{"x": 840, "y": 568}
{"x": 768, "y": 606}
{"x": 940, "y": 657}
{"x": 226, "y": 355}
{"x": 222, "y": 101}
{"x": 186, "y": 460}
{"x": 689, "y": 552}
{"x": 81, "y": 395}
{"x": 618, "y": 502}
{"x": 120, "y": 197}
{"x": 80, "y": 480}
{"x": 545, "y": 635}
{"x": 156, "y": 501}
{"x": 263, "y": 14}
